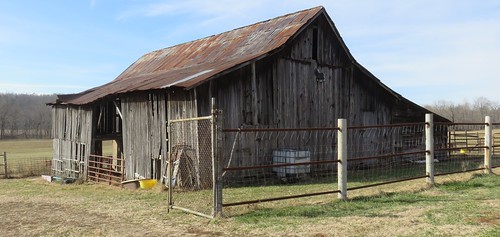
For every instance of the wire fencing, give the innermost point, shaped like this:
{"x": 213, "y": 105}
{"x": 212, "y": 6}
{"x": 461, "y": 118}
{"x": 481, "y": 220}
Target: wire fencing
{"x": 21, "y": 167}
{"x": 276, "y": 164}
{"x": 385, "y": 153}
{"x": 213, "y": 169}
{"x": 190, "y": 165}
{"x": 465, "y": 148}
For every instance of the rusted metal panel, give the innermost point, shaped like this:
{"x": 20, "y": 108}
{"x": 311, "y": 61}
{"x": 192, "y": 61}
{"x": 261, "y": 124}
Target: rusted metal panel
{"x": 191, "y": 63}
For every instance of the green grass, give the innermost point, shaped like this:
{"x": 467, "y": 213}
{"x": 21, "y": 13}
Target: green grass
{"x": 471, "y": 204}
{"x": 22, "y": 149}
{"x": 463, "y": 205}
{"x": 457, "y": 207}
{"x": 36, "y": 148}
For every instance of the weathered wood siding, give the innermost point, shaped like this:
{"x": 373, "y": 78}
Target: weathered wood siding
{"x": 182, "y": 104}
{"x": 144, "y": 134}
{"x": 72, "y": 139}
{"x": 289, "y": 93}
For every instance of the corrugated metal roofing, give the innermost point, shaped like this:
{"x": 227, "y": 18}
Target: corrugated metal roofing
{"x": 188, "y": 64}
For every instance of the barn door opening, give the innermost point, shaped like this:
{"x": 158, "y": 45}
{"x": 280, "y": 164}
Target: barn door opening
{"x": 106, "y": 161}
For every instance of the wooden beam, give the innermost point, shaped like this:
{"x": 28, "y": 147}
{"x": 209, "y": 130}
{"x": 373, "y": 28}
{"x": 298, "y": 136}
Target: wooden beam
{"x": 254, "y": 96}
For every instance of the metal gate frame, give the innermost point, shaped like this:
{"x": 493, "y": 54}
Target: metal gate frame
{"x": 190, "y": 129}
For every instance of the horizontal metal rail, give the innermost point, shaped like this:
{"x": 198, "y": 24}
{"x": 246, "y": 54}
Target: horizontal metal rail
{"x": 105, "y": 180}
{"x": 386, "y": 125}
{"x": 106, "y": 157}
{"x": 189, "y": 119}
{"x": 279, "y": 198}
{"x": 104, "y": 169}
{"x": 191, "y": 211}
{"x": 459, "y": 124}
{"x": 388, "y": 182}
{"x": 387, "y": 156}
{"x": 102, "y": 163}
{"x": 279, "y": 165}
{"x": 277, "y": 129}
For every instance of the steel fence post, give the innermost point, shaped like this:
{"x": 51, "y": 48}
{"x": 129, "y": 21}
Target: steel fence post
{"x": 216, "y": 160}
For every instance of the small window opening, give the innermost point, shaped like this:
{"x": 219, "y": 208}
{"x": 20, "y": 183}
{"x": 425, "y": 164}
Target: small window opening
{"x": 315, "y": 43}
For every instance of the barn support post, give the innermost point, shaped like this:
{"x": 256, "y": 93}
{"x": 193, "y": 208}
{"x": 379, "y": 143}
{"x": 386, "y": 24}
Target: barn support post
{"x": 429, "y": 148}
{"x": 342, "y": 159}
{"x": 5, "y": 165}
{"x": 217, "y": 160}
{"x": 488, "y": 144}
{"x": 255, "y": 106}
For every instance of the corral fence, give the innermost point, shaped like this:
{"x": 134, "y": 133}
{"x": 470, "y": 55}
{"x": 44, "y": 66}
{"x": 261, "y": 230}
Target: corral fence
{"x": 226, "y": 170}
{"x": 20, "y": 167}
{"x": 105, "y": 169}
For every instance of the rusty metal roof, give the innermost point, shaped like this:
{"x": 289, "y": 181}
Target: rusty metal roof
{"x": 189, "y": 64}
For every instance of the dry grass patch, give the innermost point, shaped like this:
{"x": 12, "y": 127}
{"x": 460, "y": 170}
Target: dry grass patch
{"x": 32, "y": 207}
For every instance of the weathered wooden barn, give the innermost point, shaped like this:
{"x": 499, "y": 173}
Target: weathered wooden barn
{"x": 290, "y": 71}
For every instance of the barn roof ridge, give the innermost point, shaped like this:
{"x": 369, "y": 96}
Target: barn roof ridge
{"x": 218, "y": 53}
{"x": 238, "y": 28}
{"x": 189, "y": 64}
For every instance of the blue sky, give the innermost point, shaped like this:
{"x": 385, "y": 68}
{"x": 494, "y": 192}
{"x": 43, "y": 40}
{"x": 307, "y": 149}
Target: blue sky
{"x": 425, "y": 50}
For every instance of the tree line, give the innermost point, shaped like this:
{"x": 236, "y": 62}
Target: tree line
{"x": 467, "y": 112}
{"x": 25, "y": 116}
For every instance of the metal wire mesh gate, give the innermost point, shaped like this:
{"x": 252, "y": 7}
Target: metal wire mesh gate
{"x": 190, "y": 173}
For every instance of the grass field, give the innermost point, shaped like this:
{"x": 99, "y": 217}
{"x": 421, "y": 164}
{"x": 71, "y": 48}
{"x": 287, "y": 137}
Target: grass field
{"x": 459, "y": 205}
{"x": 35, "y": 148}
{"x": 21, "y": 149}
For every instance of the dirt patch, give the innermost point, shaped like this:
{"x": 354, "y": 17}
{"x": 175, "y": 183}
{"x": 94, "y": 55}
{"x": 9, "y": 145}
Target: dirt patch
{"x": 51, "y": 219}
{"x": 59, "y": 216}
{"x": 492, "y": 218}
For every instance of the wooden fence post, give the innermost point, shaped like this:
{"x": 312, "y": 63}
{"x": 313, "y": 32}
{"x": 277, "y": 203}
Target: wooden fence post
{"x": 488, "y": 150}
{"x": 217, "y": 160}
{"x": 5, "y": 165}
{"x": 342, "y": 157}
{"x": 429, "y": 148}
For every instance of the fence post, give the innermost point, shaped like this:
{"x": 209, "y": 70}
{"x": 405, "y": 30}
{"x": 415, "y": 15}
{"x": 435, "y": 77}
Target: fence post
{"x": 342, "y": 157}
{"x": 217, "y": 160}
{"x": 429, "y": 148}
{"x": 488, "y": 144}
{"x": 169, "y": 168}
{"x": 5, "y": 165}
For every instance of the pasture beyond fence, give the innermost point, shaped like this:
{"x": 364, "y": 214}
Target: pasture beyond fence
{"x": 24, "y": 167}
{"x": 214, "y": 171}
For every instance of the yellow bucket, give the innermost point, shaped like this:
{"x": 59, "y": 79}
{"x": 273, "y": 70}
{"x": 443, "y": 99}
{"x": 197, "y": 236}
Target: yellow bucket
{"x": 147, "y": 183}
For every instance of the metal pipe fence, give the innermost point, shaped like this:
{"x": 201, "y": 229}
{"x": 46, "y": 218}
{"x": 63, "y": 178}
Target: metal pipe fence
{"x": 106, "y": 169}
{"x": 269, "y": 164}
{"x": 259, "y": 165}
